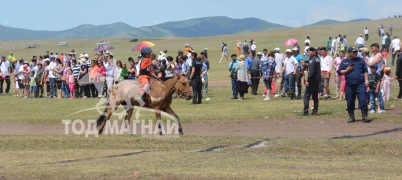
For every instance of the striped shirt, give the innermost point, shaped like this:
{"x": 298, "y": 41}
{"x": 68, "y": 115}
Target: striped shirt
{"x": 76, "y": 70}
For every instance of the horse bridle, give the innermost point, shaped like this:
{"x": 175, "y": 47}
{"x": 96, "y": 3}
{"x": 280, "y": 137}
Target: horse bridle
{"x": 182, "y": 93}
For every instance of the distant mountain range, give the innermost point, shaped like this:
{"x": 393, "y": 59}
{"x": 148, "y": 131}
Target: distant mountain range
{"x": 208, "y": 26}
{"x": 331, "y": 21}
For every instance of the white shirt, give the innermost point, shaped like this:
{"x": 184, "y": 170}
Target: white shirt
{"x": 21, "y": 75}
{"x": 365, "y": 31}
{"x": 279, "y": 62}
{"x": 52, "y": 66}
{"x": 305, "y": 50}
{"x": 4, "y": 67}
{"x": 333, "y": 43}
{"x": 395, "y": 43}
{"x": 290, "y": 65}
{"x": 359, "y": 41}
{"x": 383, "y": 39}
{"x": 307, "y": 41}
{"x": 264, "y": 57}
{"x": 253, "y": 47}
{"x": 326, "y": 63}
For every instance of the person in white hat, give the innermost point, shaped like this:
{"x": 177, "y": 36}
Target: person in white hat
{"x": 279, "y": 58}
{"x": 288, "y": 72}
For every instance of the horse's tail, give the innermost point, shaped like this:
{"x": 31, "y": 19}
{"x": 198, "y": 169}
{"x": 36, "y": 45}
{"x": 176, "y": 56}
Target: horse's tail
{"x": 102, "y": 117}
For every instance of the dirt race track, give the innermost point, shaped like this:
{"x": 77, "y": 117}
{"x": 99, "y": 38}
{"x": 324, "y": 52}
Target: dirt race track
{"x": 293, "y": 128}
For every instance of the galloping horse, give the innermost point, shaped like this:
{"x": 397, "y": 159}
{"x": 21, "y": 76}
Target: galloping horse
{"x": 159, "y": 98}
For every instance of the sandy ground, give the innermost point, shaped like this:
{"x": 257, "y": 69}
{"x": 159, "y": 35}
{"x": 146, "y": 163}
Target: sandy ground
{"x": 293, "y": 128}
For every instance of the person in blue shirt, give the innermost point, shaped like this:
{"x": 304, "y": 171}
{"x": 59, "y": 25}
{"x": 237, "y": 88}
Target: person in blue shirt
{"x": 356, "y": 75}
{"x": 233, "y": 75}
{"x": 299, "y": 75}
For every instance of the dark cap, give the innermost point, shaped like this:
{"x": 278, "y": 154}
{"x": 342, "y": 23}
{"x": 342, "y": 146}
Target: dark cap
{"x": 352, "y": 49}
{"x": 322, "y": 48}
{"x": 3, "y": 56}
{"x": 233, "y": 55}
{"x": 311, "y": 49}
{"x": 374, "y": 66}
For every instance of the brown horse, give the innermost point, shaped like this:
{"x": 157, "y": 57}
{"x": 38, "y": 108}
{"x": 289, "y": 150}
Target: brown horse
{"x": 159, "y": 98}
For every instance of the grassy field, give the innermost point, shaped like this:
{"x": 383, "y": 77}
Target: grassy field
{"x": 132, "y": 157}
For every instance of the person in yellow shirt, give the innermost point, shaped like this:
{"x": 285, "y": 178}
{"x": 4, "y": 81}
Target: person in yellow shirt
{"x": 11, "y": 58}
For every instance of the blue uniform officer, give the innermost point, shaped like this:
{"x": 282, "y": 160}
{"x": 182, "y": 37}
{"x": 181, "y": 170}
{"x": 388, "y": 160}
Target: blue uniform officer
{"x": 356, "y": 75}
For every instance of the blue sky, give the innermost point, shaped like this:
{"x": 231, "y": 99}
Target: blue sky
{"x": 65, "y": 14}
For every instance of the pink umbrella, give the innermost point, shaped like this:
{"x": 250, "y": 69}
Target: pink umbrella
{"x": 290, "y": 42}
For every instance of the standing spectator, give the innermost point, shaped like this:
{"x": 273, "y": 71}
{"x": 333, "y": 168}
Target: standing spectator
{"x": 242, "y": 77}
{"x": 93, "y": 79}
{"x": 205, "y": 52}
{"x": 279, "y": 57}
{"x": 345, "y": 43}
{"x": 109, "y": 66}
{"x": 328, "y": 44}
{"x": 12, "y": 60}
{"x": 39, "y": 81}
{"x": 205, "y": 69}
{"x": 233, "y": 75}
{"x": 268, "y": 74}
{"x": 253, "y": 48}
{"x": 377, "y": 60}
{"x": 59, "y": 72}
{"x": 366, "y": 34}
{"x": 238, "y": 46}
{"x": 289, "y": 71}
{"x": 384, "y": 40}
{"x": 298, "y": 75}
{"x": 356, "y": 76}
{"x": 374, "y": 88}
{"x": 313, "y": 81}
{"x": 359, "y": 42}
{"x": 394, "y": 44}
{"x": 245, "y": 48}
{"x": 100, "y": 83}
{"x": 5, "y": 69}
{"x": 117, "y": 72}
{"x": 83, "y": 79}
{"x": 131, "y": 71}
{"x": 64, "y": 80}
{"x": 45, "y": 79}
{"x": 32, "y": 85}
{"x": 326, "y": 67}
{"x": 179, "y": 64}
{"x": 255, "y": 73}
{"x": 195, "y": 79}
{"x": 307, "y": 40}
{"x": 339, "y": 80}
{"x": 379, "y": 30}
{"x": 333, "y": 47}
{"x": 71, "y": 83}
{"x": 382, "y": 31}
{"x": 224, "y": 53}
{"x": 391, "y": 28}
{"x": 76, "y": 72}
{"x": 52, "y": 77}
{"x": 386, "y": 84}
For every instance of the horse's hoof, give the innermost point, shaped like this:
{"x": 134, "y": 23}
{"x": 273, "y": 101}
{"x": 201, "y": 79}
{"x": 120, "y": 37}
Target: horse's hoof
{"x": 181, "y": 132}
{"x": 160, "y": 134}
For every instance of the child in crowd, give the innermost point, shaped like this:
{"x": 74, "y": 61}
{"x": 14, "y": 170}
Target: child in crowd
{"x": 374, "y": 89}
{"x": 386, "y": 84}
{"x": 71, "y": 83}
{"x": 32, "y": 85}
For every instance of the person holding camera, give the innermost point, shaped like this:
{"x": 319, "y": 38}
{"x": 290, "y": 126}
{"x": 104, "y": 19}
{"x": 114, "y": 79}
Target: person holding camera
{"x": 357, "y": 82}
{"x": 233, "y": 75}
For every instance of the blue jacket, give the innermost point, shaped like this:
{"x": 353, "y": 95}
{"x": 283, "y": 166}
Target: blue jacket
{"x": 355, "y": 77}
